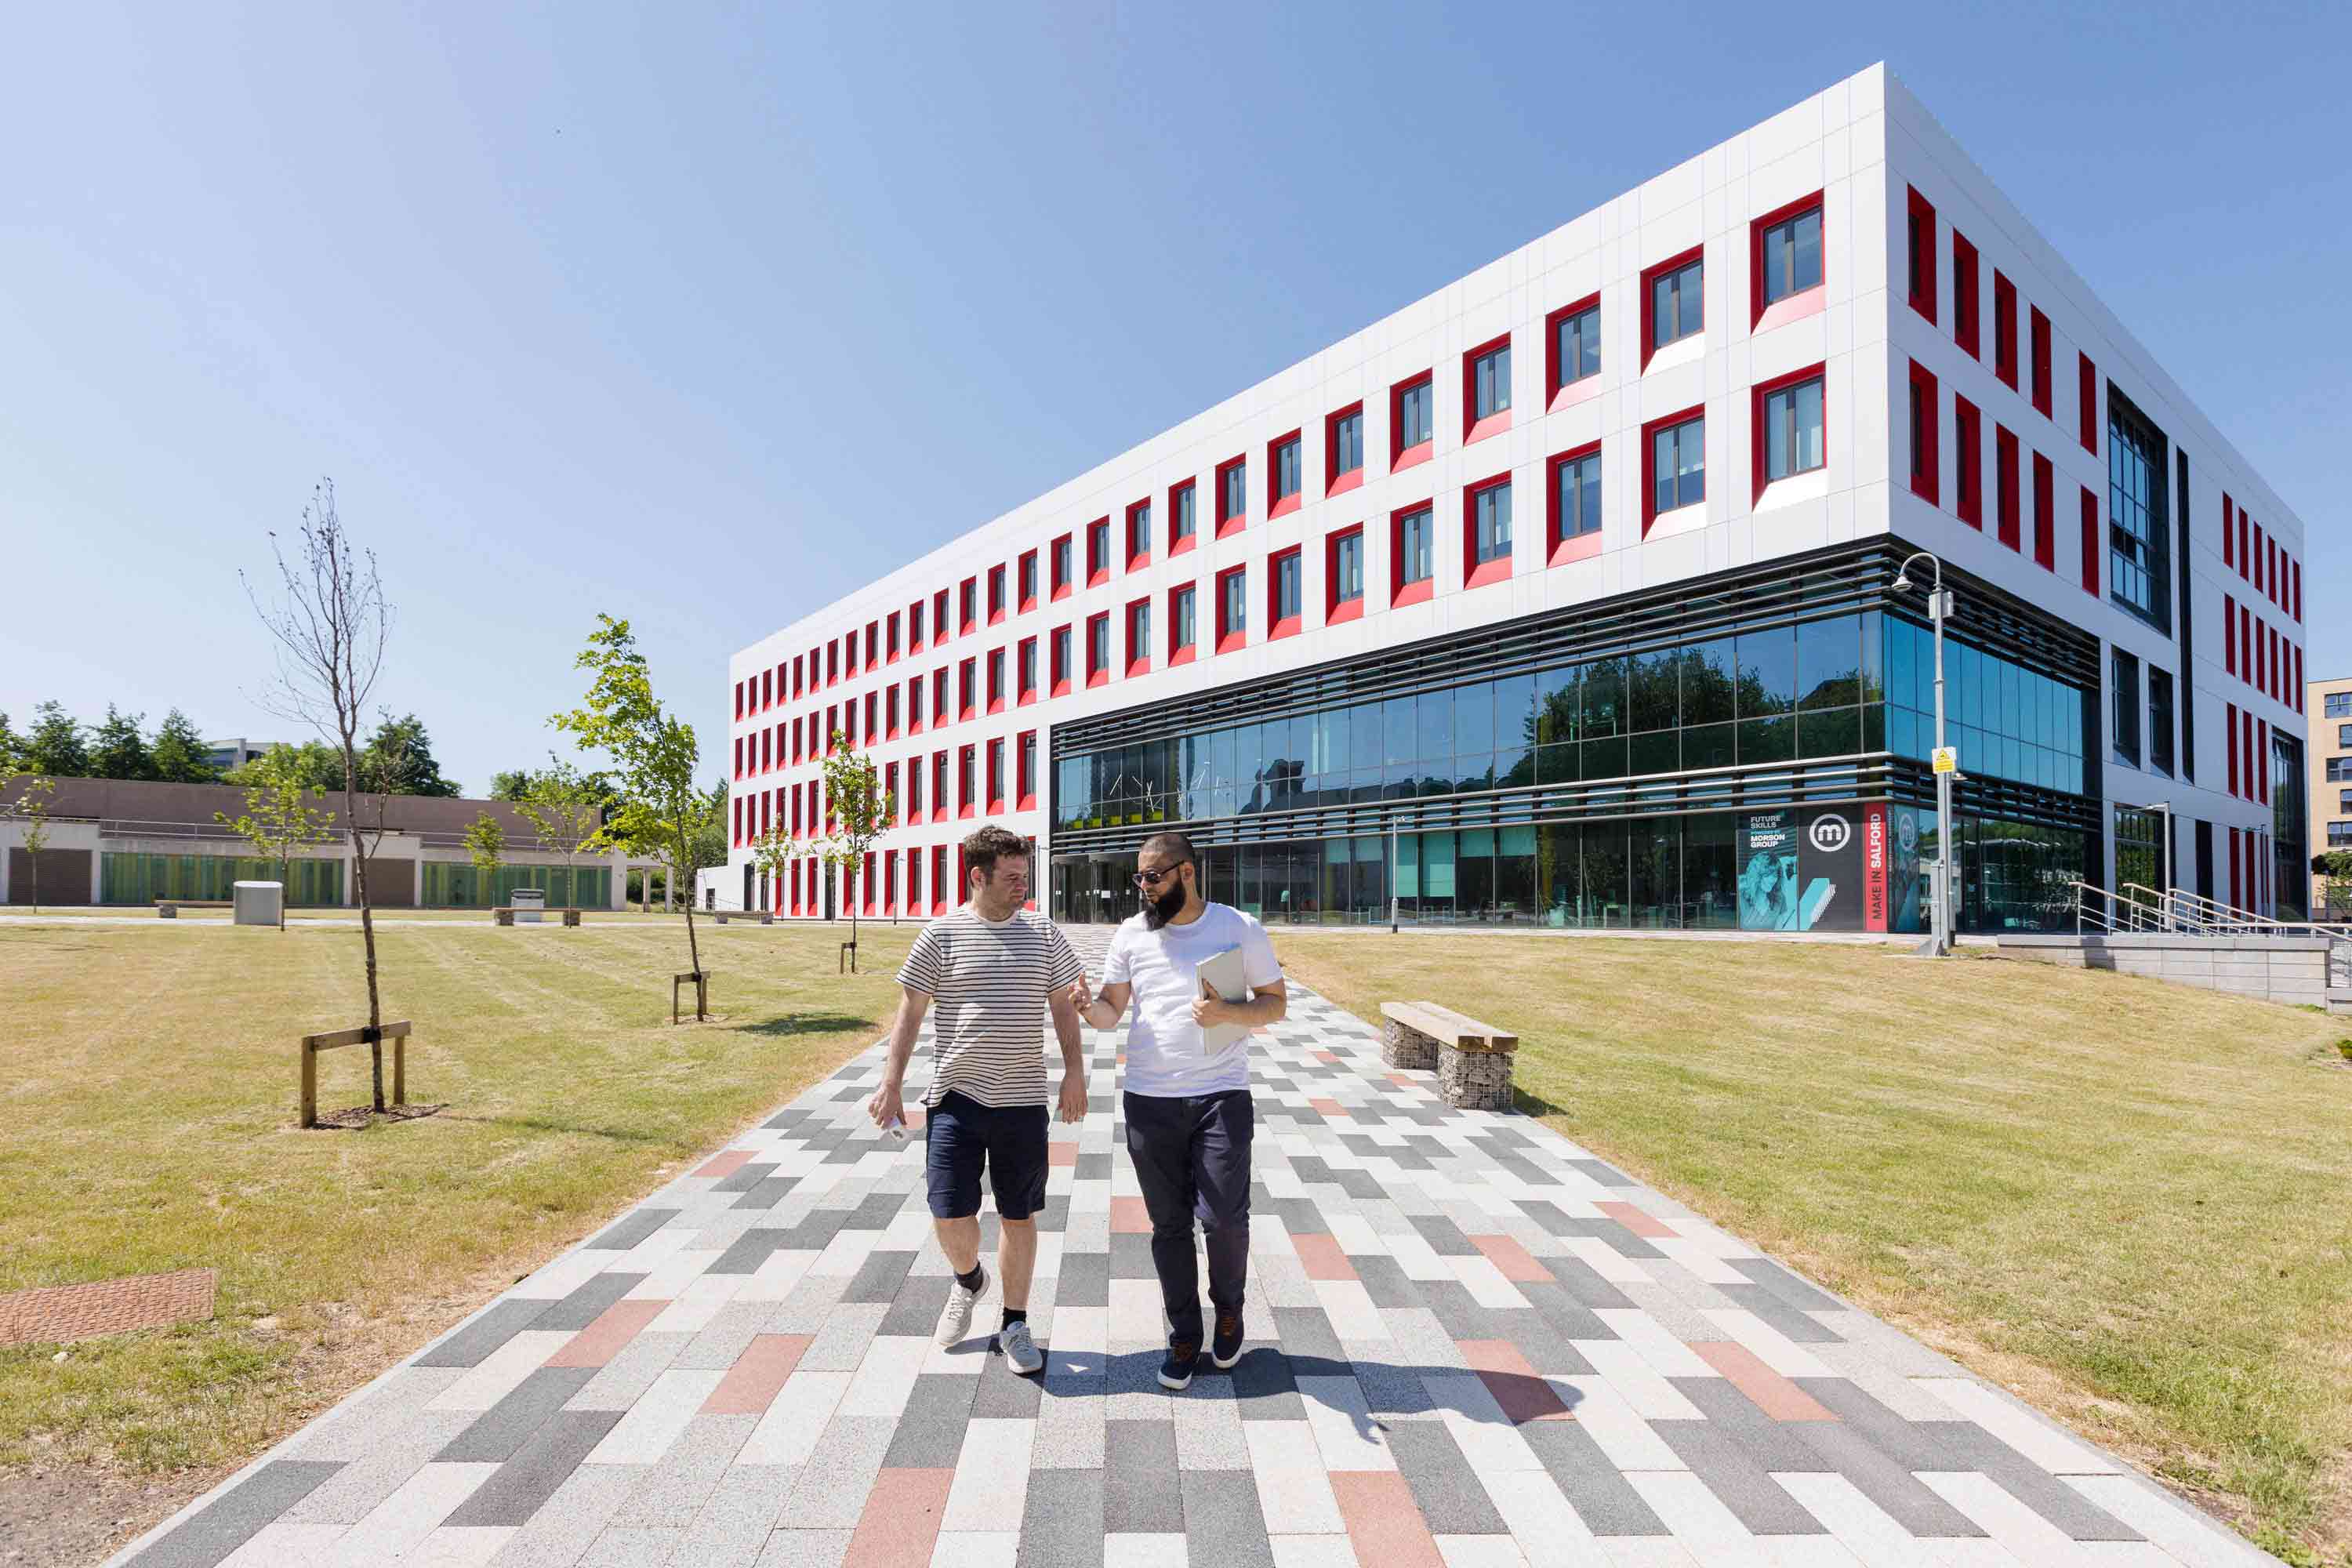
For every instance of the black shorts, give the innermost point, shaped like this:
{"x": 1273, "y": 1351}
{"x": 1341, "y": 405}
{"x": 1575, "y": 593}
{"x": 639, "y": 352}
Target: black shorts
{"x": 959, "y": 1134}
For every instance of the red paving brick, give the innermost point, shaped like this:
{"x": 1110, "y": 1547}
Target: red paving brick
{"x": 1384, "y": 1524}
{"x": 1129, "y": 1216}
{"x": 1775, "y": 1394}
{"x": 600, "y": 1340}
{"x": 1327, "y": 1058}
{"x": 1513, "y": 1379}
{"x": 724, "y": 1164}
{"x": 1323, "y": 1257}
{"x": 1638, "y": 1221}
{"x": 1516, "y": 1263}
{"x": 1328, "y": 1107}
{"x": 1060, "y": 1152}
{"x": 750, "y": 1385}
{"x": 900, "y": 1526}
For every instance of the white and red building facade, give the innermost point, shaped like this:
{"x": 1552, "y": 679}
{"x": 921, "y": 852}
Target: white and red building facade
{"x": 1564, "y": 596}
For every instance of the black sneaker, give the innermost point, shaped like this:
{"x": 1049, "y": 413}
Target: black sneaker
{"x": 1176, "y": 1372}
{"x": 1226, "y": 1347}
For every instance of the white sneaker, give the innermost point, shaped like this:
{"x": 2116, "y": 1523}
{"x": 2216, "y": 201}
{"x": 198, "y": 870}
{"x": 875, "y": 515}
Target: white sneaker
{"x": 1021, "y": 1352}
{"x": 955, "y": 1323}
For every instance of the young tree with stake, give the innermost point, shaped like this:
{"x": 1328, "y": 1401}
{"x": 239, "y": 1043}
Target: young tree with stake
{"x": 861, "y": 810}
{"x": 486, "y": 843}
{"x": 31, "y": 807}
{"x": 564, "y": 815}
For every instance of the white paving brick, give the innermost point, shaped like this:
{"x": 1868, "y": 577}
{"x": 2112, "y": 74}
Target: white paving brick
{"x": 788, "y": 1432}
{"x": 496, "y": 1375}
{"x": 1294, "y": 1486}
{"x": 655, "y": 1420}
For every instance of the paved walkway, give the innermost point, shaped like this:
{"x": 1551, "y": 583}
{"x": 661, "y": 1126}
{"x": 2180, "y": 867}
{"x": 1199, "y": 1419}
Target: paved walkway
{"x": 1473, "y": 1344}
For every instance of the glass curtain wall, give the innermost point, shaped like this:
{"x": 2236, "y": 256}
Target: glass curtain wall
{"x": 133, "y": 879}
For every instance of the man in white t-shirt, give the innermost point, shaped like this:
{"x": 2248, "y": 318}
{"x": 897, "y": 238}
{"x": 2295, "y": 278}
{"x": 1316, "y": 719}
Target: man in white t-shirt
{"x": 1189, "y": 1113}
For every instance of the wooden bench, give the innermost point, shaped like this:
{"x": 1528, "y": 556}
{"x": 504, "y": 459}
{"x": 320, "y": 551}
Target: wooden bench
{"x": 1473, "y": 1059}
{"x": 504, "y": 915}
{"x": 168, "y": 909}
{"x": 762, "y": 916}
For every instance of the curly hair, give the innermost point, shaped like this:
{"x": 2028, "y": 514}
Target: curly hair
{"x": 981, "y": 848}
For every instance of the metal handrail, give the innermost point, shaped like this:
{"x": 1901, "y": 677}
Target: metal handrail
{"x": 2133, "y": 908}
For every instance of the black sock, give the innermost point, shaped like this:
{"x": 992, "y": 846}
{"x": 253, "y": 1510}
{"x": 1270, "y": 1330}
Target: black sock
{"x": 972, "y": 1281}
{"x": 1013, "y": 1315}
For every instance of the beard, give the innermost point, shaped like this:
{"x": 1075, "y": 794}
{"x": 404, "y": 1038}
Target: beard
{"x": 1159, "y": 911}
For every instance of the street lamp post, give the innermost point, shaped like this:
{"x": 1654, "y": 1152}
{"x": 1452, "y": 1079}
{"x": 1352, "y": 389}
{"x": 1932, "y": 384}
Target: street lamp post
{"x": 1939, "y": 606}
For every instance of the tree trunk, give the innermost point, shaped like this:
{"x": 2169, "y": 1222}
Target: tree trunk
{"x": 285, "y": 878}
{"x": 367, "y": 925}
{"x": 852, "y": 919}
{"x": 693, "y": 946}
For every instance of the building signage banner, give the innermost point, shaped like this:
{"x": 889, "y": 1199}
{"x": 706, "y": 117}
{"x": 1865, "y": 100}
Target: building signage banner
{"x": 1832, "y": 859}
{"x": 1802, "y": 870}
{"x": 1874, "y": 850}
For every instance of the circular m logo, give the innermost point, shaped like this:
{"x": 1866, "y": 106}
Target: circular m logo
{"x": 1831, "y": 834}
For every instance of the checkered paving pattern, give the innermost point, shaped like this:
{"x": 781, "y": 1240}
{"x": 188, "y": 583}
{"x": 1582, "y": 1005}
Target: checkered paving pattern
{"x": 1472, "y": 1344}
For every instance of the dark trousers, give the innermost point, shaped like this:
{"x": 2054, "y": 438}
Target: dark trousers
{"x": 1192, "y": 1160}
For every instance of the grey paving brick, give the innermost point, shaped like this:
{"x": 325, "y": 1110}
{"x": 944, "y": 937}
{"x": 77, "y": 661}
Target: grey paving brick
{"x": 586, "y": 1304}
{"x": 741, "y": 1510}
{"x": 631, "y": 1546}
{"x": 1070, "y": 1421}
{"x": 1773, "y": 1445}
{"x": 1677, "y": 1317}
{"x": 356, "y": 1428}
{"x": 746, "y": 1177}
{"x": 517, "y": 1488}
{"x": 831, "y": 1491}
{"x": 1063, "y": 1524}
{"x": 1741, "y": 1484}
{"x": 1264, "y": 1385}
{"x": 845, "y": 1337}
{"x": 498, "y": 1432}
{"x": 751, "y": 1249}
{"x": 878, "y": 1277}
{"x": 1224, "y": 1523}
{"x": 1798, "y": 1326}
{"x": 1140, "y": 1492}
{"x": 1451, "y": 1498}
{"x": 929, "y": 1434}
{"x": 487, "y": 1332}
{"x": 1596, "y": 1488}
{"x": 620, "y": 1382}
{"x": 1001, "y": 1394}
{"x": 916, "y": 1309}
{"x": 347, "y": 1497}
{"x": 1308, "y": 1343}
{"x": 1909, "y": 1503}
{"x": 226, "y": 1522}
{"x": 721, "y": 1344}
{"x": 1085, "y": 1279}
{"x": 560, "y": 1534}
{"x": 672, "y": 1491}
{"x": 631, "y": 1229}
{"x": 1804, "y": 1297}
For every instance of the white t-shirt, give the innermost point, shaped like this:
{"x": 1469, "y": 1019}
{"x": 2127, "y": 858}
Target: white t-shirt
{"x": 1163, "y": 1043}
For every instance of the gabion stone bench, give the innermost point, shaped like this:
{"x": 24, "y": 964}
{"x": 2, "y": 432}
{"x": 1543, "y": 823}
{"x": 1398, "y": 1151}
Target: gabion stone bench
{"x": 1473, "y": 1059}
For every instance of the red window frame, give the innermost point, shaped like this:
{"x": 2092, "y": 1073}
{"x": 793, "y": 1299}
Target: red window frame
{"x": 1334, "y": 481}
{"x": 1138, "y": 559}
{"x": 796, "y": 674}
{"x": 967, "y": 780}
{"x": 1283, "y": 506}
{"x": 1763, "y": 317}
{"x": 1097, "y": 669}
{"x": 995, "y": 677}
{"x": 873, "y": 645}
{"x": 2086, "y": 403}
{"x": 1061, "y": 549}
{"x": 890, "y": 638}
{"x": 833, "y": 663}
{"x": 1558, "y": 394}
{"x": 940, "y": 878}
{"x": 1181, "y": 488}
{"x": 1927, "y": 440}
{"x": 872, "y": 698}
{"x": 991, "y": 782}
{"x": 1967, "y": 461}
{"x": 1024, "y": 771}
{"x": 1188, "y": 652}
{"x": 2038, "y": 342}
{"x": 1967, "y": 302}
{"x": 2007, "y": 480}
{"x": 738, "y": 756}
{"x": 1230, "y": 639}
{"x": 1402, "y": 592}
{"x": 1760, "y": 446}
{"x": 1277, "y": 624}
{"x": 1337, "y": 610}
{"x": 1230, "y": 523}
{"x": 2046, "y": 514}
{"x": 1649, "y": 297}
{"x": 2229, "y": 635}
{"x": 2004, "y": 329}
{"x": 766, "y": 690}
{"x": 1025, "y": 654}
{"x": 1559, "y": 549}
{"x": 1138, "y": 652}
{"x": 1057, "y": 658}
{"x": 1650, "y": 513}
{"x": 1920, "y": 252}
{"x": 999, "y": 600}
{"x": 940, "y": 632}
{"x": 967, "y": 690}
{"x": 739, "y": 700}
{"x": 968, "y": 606}
{"x": 1473, "y": 428}
{"x": 1026, "y": 568}
{"x": 939, "y": 707}
{"x": 1400, "y": 455}
{"x": 1475, "y": 573}
{"x": 1098, "y": 552}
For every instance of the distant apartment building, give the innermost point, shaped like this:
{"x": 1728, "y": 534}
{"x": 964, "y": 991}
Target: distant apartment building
{"x": 1565, "y": 596}
{"x": 2327, "y": 708}
{"x": 237, "y": 751}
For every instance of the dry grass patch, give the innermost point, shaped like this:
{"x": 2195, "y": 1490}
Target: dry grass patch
{"x": 2124, "y": 1199}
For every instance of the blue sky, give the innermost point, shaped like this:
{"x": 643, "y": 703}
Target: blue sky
{"x": 702, "y": 316}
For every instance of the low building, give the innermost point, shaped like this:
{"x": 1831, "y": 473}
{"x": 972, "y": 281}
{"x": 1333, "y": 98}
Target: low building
{"x": 118, "y": 841}
{"x": 237, "y": 751}
{"x": 2328, "y": 710}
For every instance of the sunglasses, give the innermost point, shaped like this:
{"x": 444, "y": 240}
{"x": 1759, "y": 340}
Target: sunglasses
{"x": 1153, "y": 878}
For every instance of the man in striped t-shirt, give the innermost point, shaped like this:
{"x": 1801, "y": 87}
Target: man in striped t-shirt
{"x": 992, "y": 968}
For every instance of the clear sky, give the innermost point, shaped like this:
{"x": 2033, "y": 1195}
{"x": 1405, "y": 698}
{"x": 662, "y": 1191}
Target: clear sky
{"x": 702, "y": 316}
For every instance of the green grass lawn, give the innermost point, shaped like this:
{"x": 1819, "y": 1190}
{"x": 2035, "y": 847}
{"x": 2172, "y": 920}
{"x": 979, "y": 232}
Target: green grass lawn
{"x": 2122, "y": 1198}
{"x": 147, "y": 1097}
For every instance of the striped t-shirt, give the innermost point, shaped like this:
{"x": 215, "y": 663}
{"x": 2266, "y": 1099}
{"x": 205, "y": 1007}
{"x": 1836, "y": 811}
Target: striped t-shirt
{"x": 987, "y": 981}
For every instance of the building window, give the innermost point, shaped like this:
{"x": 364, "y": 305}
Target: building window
{"x": 1097, "y": 647}
{"x": 1098, "y": 550}
{"x": 964, "y": 781}
{"x": 995, "y": 680}
{"x": 1922, "y": 272}
{"x": 1285, "y": 588}
{"x": 1416, "y": 532}
{"x": 890, "y": 711}
{"x": 1678, "y": 465}
{"x": 968, "y": 605}
{"x": 1967, "y": 436}
{"x": 1490, "y": 382}
{"x": 996, "y": 775}
{"x": 1576, "y": 346}
{"x": 2124, "y": 710}
{"x": 966, "y": 682}
{"x": 1348, "y": 568}
{"x": 1490, "y": 524}
{"x": 2040, "y": 344}
{"x": 914, "y": 791}
{"x": 914, "y": 632}
{"x": 1028, "y": 579}
{"x": 889, "y": 637}
{"x": 1233, "y": 603}
{"x": 1026, "y": 668}
{"x": 1232, "y": 495}
{"x": 1413, "y": 416}
{"x": 2004, "y": 329}
{"x": 1964, "y": 294}
{"x": 1025, "y": 778}
{"x": 2337, "y": 705}
{"x": 2006, "y": 524}
{"x": 939, "y": 784}
{"x": 1138, "y": 534}
{"x": 1792, "y": 255}
{"x": 2339, "y": 769}
{"x": 1139, "y": 635}
{"x": 1676, "y": 309}
{"x": 995, "y": 595}
{"x": 2339, "y": 834}
{"x": 1344, "y": 447}
{"x": 2139, "y": 571}
{"x": 1059, "y": 670}
{"x": 1181, "y": 632}
{"x": 1925, "y": 459}
{"x": 1183, "y": 522}
{"x": 1792, "y": 429}
{"x": 2159, "y": 719}
{"x": 1060, "y": 565}
{"x": 915, "y": 703}
{"x": 1576, "y": 495}
{"x": 1283, "y": 464}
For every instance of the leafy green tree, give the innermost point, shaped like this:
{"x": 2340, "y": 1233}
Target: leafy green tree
{"x": 564, "y": 813}
{"x": 31, "y": 807}
{"x": 485, "y": 843}
{"x": 860, "y": 810}
{"x": 117, "y": 747}
{"x": 56, "y": 747}
{"x": 654, "y": 755}
{"x": 178, "y": 753}
{"x": 771, "y": 852}
{"x": 313, "y": 762}
{"x": 511, "y": 785}
{"x": 398, "y": 760}
{"x": 12, "y": 746}
{"x": 278, "y": 817}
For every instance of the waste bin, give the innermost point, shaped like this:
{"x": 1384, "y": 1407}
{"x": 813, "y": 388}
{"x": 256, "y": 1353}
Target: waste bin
{"x": 527, "y": 903}
{"x": 260, "y": 904}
